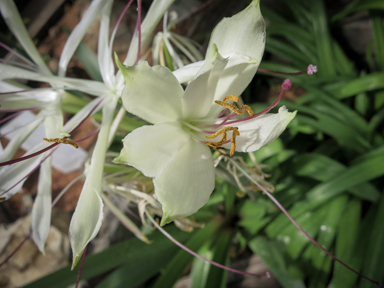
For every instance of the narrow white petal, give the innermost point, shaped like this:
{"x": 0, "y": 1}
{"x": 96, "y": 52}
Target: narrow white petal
{"x": 19, "y": 137}
{"x": 78, "y": 33}
{"x": 259, "y": 131}
{"x": 13, "y": 177}
{"x": 86, "y": 220}
{"x": 104, "y": 53}
{"x": 154, "y": 15}
{"x": 186, "y": 183}
{"x": 16, "y": 25}
{"x": 150, "y": 148}
{"x": 41, "y": 211}
{"x": 152, "y": 93}
{"x": 83, "y": 113}
{"x": 88, "y": 86}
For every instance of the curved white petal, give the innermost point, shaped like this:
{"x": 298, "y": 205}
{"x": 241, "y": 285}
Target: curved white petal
{"x": 188, "y": 72}
{"x": 42, "y": 207}
{"x": 242, "y": 34}
{"x": 199, "y": 95}
{"x": 15, "y": 24}
{"x": 78, "y": 33}
{"x": 186, "y": 183}
{"x": 261, "y": 130}
{"x": 152, "y": 93}
{"x": 87, "y": 219}
{"x": 150, "y": 148}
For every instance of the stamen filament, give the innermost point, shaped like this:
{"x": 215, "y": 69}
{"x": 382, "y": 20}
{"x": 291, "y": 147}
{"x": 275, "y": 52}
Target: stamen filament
{"x": 377, "y": 283}
{"x": 285, "y": 86}
{"x": 266, "y": 274}
{"x": 310, "y": 70}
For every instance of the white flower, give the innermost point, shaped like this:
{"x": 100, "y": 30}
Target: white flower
{"x": 174, "y": 150}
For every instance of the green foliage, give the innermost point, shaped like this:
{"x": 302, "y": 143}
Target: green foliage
{"x": 327, "y": 170}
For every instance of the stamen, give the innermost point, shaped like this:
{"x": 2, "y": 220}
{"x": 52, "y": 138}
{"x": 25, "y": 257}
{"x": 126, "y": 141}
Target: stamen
{"x": 235, "y": 132}
{"x": 233, "y": 141}
{"x": 222, "y": 130}
{"x": 248, "y": 109}
{"x": 218, "y": 143}
{"x": 62, "y": 140}
{"x": 233, "y": 107}
{"x": 230, "y": 107}
{"x": 310, "y": 70}
{"x": 231, "y": 97}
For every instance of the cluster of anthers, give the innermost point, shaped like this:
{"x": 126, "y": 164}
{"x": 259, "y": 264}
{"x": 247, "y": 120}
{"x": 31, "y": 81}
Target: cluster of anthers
{"x": 224, "y": 130}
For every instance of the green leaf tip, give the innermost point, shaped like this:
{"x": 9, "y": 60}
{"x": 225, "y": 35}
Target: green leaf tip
{"x": 165, "y": 220}
{"x": 76, "y": 259}
{"x": 121, "y": 66}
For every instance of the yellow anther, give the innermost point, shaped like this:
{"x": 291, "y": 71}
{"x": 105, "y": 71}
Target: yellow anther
{"x": 240, "y": 194}
{"x": 218, "y": 143}
{"x": 222, "y": 130}
{"x": 232, "y": 107}
{"x": 248, "y": 109}
{"x": 231, "y": 97}
{"x": 235, "y": 132}
{"x": 62, "y": 140}
{"x": 233, "y": 141}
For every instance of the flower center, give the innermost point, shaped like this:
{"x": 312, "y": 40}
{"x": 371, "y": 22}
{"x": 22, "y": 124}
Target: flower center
{"x": 223, "y": 131}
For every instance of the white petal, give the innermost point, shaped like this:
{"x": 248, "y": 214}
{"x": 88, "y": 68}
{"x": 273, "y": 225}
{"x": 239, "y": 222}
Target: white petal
{"x": 19, "y": 137}
{"x": 88, "y": 86}
{"x": 104, "y": 53}
{"x": 188, "y": 72}
{"x": 199, "y": 95}
{"x": 13, "y": 177}
{"x": 16, "y": 25}
{"x": 154, "y": 15}
{"x": 152, "y": 93}
{"x": 261, "y": 130}
{"x": 186, "y": 183}
{"x": 86, "y": 221}
{"x": 78, "y": 33}
{"x": 150, "y": 148}
{"x": 242, "y": 34}
{"x": 93, "y": 106}
{"x": 41, "y": 211}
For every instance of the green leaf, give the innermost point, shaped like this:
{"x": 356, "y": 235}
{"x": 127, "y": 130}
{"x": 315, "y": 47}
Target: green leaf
{"x": 364, "y": 83}
{"x": 374, "y": 253}
{"x": 130, "y": 252}
{"x": 378, "y": 36}
{"x": 180, "y": 262}
{"x": 322, "y": 36}
{"x": 346, "y": 240}
{"x": 357, "y": 6}
{"x": 366, "y": 168}
{"x": 271, "y": 255}
{"x": 322, "y": 168}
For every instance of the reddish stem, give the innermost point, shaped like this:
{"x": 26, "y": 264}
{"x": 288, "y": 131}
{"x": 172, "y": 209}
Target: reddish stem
{"x": 81, "y": 267}
{"x": 377, "y": 283}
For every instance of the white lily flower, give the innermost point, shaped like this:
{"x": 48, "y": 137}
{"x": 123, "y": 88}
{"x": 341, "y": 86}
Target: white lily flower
{"x": 174, "y": 150}
{"x": 84, "y": 225}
